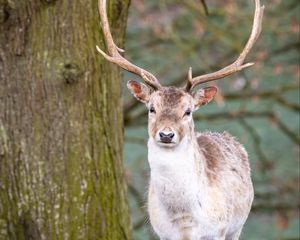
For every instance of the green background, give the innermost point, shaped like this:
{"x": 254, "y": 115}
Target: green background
{"x": 260, "y": 106}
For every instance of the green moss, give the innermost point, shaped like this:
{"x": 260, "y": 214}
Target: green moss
{"x": 63, "y": 175}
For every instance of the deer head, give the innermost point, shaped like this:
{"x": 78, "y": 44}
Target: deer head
{"x": 170, "y": 108}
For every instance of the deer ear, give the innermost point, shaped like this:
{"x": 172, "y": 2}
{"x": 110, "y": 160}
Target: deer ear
{"x": 139, "y": 90}
{"x": 204, "y": 95}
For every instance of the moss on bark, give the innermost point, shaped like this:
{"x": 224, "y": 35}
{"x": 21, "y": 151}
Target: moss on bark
{"x": 61, "y": 171}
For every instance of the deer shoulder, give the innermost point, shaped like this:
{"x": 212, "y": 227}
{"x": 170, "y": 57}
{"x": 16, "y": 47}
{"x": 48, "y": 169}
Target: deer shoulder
{"x": 223, "y": 154}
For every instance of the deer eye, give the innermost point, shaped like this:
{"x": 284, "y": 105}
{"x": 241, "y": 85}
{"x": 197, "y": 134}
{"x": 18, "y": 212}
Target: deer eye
{"x": 187, "y": 112}
{"x": 152, "y": 109}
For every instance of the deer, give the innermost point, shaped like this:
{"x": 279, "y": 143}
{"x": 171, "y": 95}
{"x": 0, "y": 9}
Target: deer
{"x": 200, "y": 182}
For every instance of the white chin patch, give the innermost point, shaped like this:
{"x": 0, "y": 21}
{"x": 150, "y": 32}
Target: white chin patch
{"x": 166, "y": 145}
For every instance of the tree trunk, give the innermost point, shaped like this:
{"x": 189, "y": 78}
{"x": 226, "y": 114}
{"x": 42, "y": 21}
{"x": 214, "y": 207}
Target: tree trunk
{"x": 61, "y": 173}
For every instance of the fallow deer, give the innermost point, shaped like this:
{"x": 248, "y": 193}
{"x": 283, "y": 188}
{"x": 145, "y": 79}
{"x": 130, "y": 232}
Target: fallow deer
{"x": 200, "y": 183}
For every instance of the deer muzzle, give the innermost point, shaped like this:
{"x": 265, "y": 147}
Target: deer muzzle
{"x": 166, "y": 137}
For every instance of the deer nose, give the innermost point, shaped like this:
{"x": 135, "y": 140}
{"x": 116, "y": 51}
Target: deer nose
{"x": 166, "y": 138}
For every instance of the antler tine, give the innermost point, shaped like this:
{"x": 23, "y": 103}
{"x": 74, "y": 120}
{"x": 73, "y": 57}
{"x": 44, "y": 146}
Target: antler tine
{"x": 238, "y": 64}
{"x": 189, "y": 80}
{"x": 114, "y": 55}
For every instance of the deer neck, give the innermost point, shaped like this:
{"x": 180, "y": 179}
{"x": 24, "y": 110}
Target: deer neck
{"x": 177, "y": 171}
{"x": 162, "y": 158}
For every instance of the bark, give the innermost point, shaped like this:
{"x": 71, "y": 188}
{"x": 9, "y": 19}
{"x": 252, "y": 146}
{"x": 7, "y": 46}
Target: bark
{"x": 61, "y": 172}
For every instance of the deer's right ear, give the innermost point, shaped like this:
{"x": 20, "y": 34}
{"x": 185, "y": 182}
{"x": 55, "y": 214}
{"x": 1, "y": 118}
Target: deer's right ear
{"x": 139, "y": 90}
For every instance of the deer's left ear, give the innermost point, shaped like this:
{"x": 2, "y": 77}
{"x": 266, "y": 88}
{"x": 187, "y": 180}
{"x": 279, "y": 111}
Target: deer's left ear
{"x": 204, "y": 96}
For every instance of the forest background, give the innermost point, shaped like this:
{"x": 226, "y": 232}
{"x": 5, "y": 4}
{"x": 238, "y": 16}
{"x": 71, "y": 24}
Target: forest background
{"x": 61, "y": 111}
{"x": 260, "y": 106}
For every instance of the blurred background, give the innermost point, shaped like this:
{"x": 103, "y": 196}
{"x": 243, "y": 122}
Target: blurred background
{"x": 260, "y": 106}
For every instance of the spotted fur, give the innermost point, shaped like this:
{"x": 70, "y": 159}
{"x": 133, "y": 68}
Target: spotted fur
{"x": 200, "y": 185}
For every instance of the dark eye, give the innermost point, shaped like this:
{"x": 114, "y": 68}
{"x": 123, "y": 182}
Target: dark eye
{"x": 188, "y": 112}
{"x": 152, "y": 110}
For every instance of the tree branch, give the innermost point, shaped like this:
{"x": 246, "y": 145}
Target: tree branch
{"x": 265, "y": 162}
{"x": 287, "y": 104}
{"x": 203, "y": 2}
{"x": 141, "y": 205}
{"x": 263, "y": 94}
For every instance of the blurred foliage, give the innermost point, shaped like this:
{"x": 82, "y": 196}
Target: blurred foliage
{"x": 260, "y": 106}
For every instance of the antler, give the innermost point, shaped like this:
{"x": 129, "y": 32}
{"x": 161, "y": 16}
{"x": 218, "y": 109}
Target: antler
{"x": 238, "y": 64}
{"x": 114, "y": 55}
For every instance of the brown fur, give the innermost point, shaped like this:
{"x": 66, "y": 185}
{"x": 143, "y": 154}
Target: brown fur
{"x": 216, "y": 147}
{"x": 171, "y": 96}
